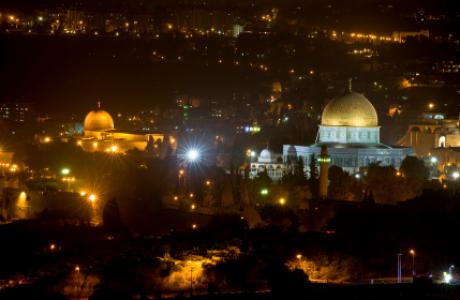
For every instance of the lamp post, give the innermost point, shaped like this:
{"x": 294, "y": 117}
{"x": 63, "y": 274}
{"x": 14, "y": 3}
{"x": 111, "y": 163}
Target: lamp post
{"x": 399, "y": 273}
{"x": 412, "y": 252}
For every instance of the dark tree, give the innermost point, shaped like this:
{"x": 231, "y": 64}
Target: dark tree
{"x": 111, "y": 217}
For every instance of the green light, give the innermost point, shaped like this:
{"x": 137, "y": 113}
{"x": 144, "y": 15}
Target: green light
{"x": 65, "y": 171}
{"x": 324, "y": 159}
{"x": 264, "y": 192}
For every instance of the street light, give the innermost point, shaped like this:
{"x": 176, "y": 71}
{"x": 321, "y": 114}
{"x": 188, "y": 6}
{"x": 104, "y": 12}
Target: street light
{"x": 455, "y": 175}
{"x": 282, "y": 201}
{"x": 412, "y": 252}
{"x": 65, "y": 171}
{"x": 192, "y": 155}
{"x": 92, "y": 198}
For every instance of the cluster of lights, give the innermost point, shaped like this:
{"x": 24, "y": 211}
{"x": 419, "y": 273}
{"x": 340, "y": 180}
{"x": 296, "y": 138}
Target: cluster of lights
{"x": 365, "y": 51}
{"x": 252, "y": 129}
{"x": 372, "y": 37}
{"x": 4, "y": 165}
{"x": 266, "y": 18}
{"x": 68, "y": 179}
{"x": 264, "y": 192}
{"x": 112, "y": 149}
{"x": 13, "y": 168}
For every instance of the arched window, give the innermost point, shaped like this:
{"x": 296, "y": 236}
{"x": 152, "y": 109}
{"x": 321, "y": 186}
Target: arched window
{"x": 442, "y": 142}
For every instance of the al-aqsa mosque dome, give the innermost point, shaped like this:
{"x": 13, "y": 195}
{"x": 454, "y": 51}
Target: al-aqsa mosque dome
{"x": 98, "y": 120}
{"x": 351, "y": 109}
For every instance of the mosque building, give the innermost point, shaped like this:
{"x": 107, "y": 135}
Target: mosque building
{"x": 270, "y": 162}
{"x": 350, "y": 131}
{"x": 100, "y": 135}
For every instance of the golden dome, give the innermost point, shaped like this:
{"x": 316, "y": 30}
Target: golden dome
{"x": 98, "y": 120}
{"x": 351, "y": 109}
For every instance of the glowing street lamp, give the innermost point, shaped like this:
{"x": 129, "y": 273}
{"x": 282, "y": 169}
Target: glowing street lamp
{"x": 114, "y": 148}
{"x": 264, "y": 192}
{"x": 412, "y": 252}
{"x": 192, "y": 155}
{"x": 433, "y": 160}
{"x": 282, "y": 201}
{"x": 65, "y": 171}
{"x": 92, "y": 198}
{"x": 455, "y": 175}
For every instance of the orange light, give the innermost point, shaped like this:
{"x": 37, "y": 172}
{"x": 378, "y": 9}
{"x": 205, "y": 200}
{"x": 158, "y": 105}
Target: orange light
{"x": 92, "y": 198}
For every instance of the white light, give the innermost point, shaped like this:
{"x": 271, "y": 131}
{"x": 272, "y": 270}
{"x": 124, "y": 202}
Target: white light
{"x": 447, "y": 277}
{"x": 357, "y": 176}
{"x": 192, "y": 155}
{"x": 433, "y": 160}
{"x": 455, "y": 175}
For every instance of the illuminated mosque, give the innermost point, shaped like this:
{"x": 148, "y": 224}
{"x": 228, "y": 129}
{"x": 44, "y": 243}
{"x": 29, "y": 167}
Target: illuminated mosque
{"x": 100, "y": 135}
{"x": 350, "y": 131}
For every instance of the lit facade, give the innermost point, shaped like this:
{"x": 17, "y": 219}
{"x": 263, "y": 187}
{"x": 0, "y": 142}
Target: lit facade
{"x": 270, "y": 162}
{"x": 349, "y": 129}
{"x": 100, "y": 135}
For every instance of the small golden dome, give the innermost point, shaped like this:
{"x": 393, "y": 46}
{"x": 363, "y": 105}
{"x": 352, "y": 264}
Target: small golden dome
{"x": 98, "y": 120}
{"x": 351, "y": 109}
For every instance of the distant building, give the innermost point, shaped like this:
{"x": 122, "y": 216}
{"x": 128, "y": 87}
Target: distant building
{"x": 16, "y": 112}
{"x": 99, "y": 134}
{"x": 350, "y": 131}
{"x": 432, "y": 131}
{"x": 269, "y": 162}
{"x": 401, "y": 36}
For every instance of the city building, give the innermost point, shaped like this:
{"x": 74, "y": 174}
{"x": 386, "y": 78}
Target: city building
{"x": 350, "y": 131}
{"x": 431, "y": 131}
{"x": 16, "y": 112}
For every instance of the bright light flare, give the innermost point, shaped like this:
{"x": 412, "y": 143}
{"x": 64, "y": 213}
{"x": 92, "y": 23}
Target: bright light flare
{"x": 92, "y": 198}
{"x": 65, "y": 171}
{"x": 447, "y": 277}
{"x": 193, "y": 155}
{"x": 455, "y": 175}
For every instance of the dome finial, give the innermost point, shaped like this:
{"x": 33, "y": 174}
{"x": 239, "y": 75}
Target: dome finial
{"x": 98, "y": 104}
{"x": 350, "y": 83}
